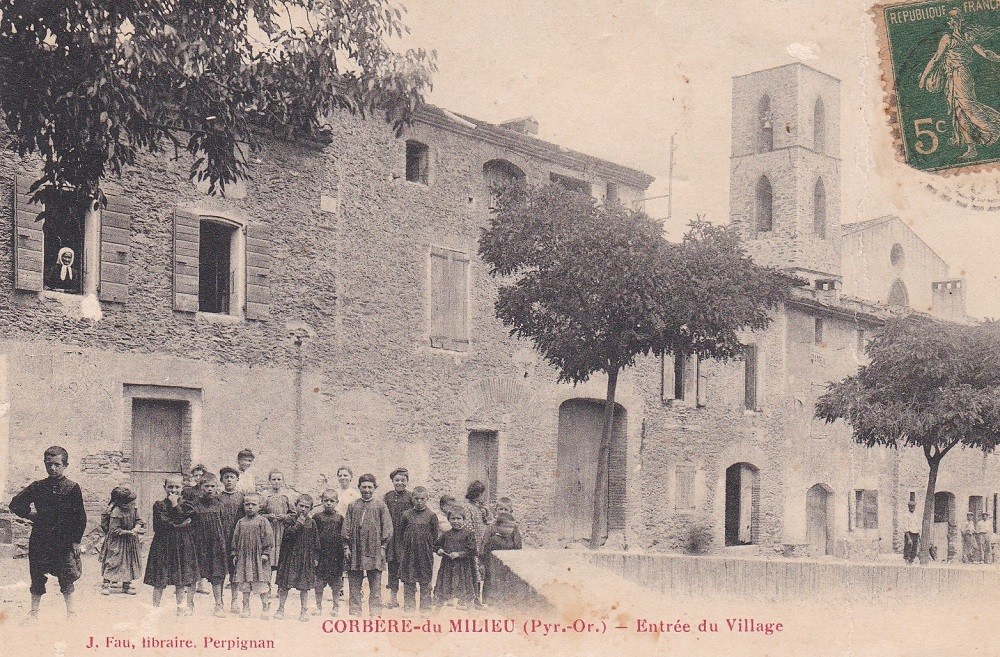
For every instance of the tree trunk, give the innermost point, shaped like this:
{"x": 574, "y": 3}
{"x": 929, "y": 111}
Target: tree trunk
{"x": 598, "y": 528}
{"x": 927, "y": 525}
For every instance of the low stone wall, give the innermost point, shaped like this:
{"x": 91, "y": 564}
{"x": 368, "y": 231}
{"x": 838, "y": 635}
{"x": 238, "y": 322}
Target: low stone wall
{"x": 774, "y": 580}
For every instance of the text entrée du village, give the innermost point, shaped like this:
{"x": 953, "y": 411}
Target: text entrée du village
{"x": 374, "y": 626}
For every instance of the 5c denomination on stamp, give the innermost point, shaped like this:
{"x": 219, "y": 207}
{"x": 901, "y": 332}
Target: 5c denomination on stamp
{"x": 941, "y": 74}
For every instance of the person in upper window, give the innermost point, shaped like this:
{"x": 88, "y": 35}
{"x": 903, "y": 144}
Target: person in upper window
{"x": 63, "y": 274}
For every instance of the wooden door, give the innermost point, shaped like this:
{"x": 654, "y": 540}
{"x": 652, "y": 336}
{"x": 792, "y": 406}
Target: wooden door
{"x": 817, "y": 520}
{"x": 157, "y": 448}
{"x": 484, "y": 460}
{"x": 581, "y": 422}
{"x": 747, "y": 480}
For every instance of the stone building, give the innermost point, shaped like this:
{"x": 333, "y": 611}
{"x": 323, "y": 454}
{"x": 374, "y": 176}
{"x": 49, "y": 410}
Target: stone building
{"x": 733, "y": 449}
{"x": 330, "y": 311}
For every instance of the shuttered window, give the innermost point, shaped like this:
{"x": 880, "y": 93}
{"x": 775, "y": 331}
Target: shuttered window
{"x": 229, "y": 274}
{"x": 865, "y": 509}
{"x": 449, "y": 299}
{"x": 684, "y": 488}
{"x": 67, "y": 248}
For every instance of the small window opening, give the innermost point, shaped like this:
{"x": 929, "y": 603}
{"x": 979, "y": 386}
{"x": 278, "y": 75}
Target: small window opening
{"x": 417, "y": 162}
{"x": 818, "y": 331}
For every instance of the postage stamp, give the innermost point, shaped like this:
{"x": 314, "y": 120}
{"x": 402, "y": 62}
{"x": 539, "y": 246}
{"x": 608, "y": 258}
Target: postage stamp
{"x": 941, "y": 72}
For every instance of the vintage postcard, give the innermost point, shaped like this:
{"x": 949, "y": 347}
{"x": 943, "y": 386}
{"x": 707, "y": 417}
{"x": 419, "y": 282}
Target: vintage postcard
{"x": 503, "y": 328}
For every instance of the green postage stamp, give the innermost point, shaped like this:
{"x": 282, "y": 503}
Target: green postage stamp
{"x": 941, "y": 71}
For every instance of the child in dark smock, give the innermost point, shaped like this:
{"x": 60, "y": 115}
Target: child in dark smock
{"x": 210, "y": 538}
{"x": 172, "y": 559}
{"x": 502, "y": 535}
{"x": 253, "y": 547}
{"x": 330, "y": 572}
{"x": 299, "y": 557}
{"x": 419, "y": 530}
{"x": 458, "y": 550}
{"x": 232, "y": 510}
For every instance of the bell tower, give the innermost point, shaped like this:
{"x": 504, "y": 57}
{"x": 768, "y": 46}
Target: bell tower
{"x": 785, "y": 169}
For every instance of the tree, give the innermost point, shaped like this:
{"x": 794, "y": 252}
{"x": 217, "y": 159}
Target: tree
{"x": 87, "y": 85}
{"x": 595, "y": 286}
{"x": 930, "y": 384}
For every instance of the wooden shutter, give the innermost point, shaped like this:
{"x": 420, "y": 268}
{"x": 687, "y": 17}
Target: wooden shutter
{"x": 458, "y": 299}
{"x": 116, "y": 247}
{"x": 684, "y": 488}
{"x": 750, "y": 378}
{"x": 29, "y": 240}
{"x": 187, "y": 239}
{"x": 439, "y": 277}
{"x": 258, "y": 273}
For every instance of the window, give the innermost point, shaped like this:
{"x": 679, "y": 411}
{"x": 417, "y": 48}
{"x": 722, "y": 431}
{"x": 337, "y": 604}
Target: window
{"x": 498, "y": 174}
{"x": 898, "y": 295}
{"x": 750, "y": 358}
{"x": 216, "y": 275}
{"x": 818, "y": 331}
{"x": 896, "y": 255}
{"x": 765, "y": 126}
{"x": 819, "y": 209}
{"x": 683, "y": 382}
{"x": 684, "y": 498}
{"x": 221, "y": 266}
{"x": 570, "y": 183}
{"x": 449, "y": 299}
{"x": 63, "y": 227}
{"x": 865, "y": 509}
{"x": 71, "y": 247}
{"x": 942, "y": 506}
{"x": 819, "y": 126}
{"x": 611, "y": 194}
{"x": 976, "y": 505}
{"x": 764, "y": 206}
{"x": 913, "y": 497}
{"x": 680, "y": 380}
{"x": 417, "y": 162}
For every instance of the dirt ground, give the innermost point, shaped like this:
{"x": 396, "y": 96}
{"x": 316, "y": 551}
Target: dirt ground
{"x": 598, "y": 614}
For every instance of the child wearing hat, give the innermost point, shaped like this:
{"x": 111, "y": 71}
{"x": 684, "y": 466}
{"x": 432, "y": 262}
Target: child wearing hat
{"x": 119, "y": 556}
{"x": 399, "y": 500}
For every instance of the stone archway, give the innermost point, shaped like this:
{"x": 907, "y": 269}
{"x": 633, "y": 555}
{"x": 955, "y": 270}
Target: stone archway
{"x": 819, "y": 520}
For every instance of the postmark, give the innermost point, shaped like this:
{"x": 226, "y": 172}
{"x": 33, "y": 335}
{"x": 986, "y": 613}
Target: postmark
{"x": 941, "y": 74}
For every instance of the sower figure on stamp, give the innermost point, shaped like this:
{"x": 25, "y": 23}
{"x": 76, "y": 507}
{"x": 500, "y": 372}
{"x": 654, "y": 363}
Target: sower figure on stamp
{"x": 367, "y": 532}
{"x": 973, "y": 123}
{"x": 55, "y": 507}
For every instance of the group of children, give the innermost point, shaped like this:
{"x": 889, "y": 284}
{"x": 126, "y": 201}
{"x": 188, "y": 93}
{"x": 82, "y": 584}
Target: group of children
{"x": 213, "y": 528}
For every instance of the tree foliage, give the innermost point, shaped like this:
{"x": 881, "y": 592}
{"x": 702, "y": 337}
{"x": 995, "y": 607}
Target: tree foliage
{"x": 931, "y": 385}
{"x": 88, "y": 85}
{"x": 596, "y": 286}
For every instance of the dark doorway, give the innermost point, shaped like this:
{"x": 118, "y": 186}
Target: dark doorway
{"x": 742, "y": 493}
{"x": 158, "y": 448}
{"x": 819, "y": 533}
{"x": 484, "y": 461}
{"x": 581, "y": 422}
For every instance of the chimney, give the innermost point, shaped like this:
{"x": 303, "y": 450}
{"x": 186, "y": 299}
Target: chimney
{"x": 948, "y": 299}
{"x": 525, "y": 125}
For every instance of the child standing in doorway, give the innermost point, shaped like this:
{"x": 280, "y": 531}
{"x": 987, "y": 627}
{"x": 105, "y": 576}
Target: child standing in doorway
{"x": 172, "y": 559}
{"x": 119, "y": 555}
{"x": 253, "y": 547}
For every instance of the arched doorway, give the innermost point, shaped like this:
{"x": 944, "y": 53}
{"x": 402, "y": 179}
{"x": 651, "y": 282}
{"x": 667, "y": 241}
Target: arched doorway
{"x": 581, "y": 422}
{"x": 742, "y": 504}
{"x": 819, "y": 532}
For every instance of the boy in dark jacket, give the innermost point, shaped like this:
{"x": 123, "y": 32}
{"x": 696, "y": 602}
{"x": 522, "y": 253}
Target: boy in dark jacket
{"x": 55, "y": 507}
